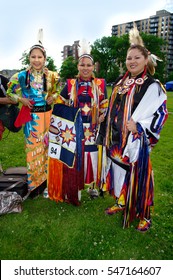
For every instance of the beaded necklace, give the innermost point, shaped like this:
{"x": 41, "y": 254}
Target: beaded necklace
{"x": 40, "y": 81}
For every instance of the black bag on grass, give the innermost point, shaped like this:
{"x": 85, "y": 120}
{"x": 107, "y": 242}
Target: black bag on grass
{"x": 14, "y": 184}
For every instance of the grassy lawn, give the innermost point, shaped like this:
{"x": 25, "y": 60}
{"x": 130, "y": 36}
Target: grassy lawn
{"x": 46, "y": 230}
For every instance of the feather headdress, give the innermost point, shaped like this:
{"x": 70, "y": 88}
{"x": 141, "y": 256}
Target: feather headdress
{"x": 84, "y": 47}
{"x": 134, "y": 36}
{"x": 39, "y": 43}
{"x": 84, "y": 50}
{"x": 40, "y": 37}
{"x": 134, "y": 40}
{"x": 154, "y": 59}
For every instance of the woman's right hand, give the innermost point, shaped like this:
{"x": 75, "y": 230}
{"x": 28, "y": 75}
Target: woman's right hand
{"x": 26, "y": 102}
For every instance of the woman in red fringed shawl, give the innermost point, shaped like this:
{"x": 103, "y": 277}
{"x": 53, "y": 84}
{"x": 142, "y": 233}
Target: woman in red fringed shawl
{"x": 89, "y": 95}
{"x": 137, "y": 113}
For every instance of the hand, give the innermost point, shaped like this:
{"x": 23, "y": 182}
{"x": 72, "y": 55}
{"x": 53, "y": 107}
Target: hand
{"x": 101, "y": 118}
{"x": 131, "y": 126}
{"x": 49, "y": 100}
{"x": 27, "y": 102}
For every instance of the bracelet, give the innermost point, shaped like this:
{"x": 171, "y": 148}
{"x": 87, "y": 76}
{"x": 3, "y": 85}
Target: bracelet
{"x": 19, "y": 99}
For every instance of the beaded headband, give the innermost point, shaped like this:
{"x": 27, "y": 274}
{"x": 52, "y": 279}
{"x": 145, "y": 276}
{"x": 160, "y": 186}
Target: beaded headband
{"x": 87, "y": 56}
{"x": 38, "y": 47}
{"x": 84, "y": 50}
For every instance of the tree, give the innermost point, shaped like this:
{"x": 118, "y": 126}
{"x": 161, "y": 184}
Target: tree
{"x": 103, "y": 52}
{"x": 170, "y": 77}
{"x": 68, "y": 68}
{"x": 25, "y": 60}
{"x": 50, "y": 64}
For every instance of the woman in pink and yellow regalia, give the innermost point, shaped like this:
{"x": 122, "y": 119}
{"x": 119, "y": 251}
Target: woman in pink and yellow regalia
{"x": 37, "y": 89}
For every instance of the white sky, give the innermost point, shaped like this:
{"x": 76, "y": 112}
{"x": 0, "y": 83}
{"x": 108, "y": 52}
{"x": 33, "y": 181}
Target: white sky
{"x": 64, "y": 22}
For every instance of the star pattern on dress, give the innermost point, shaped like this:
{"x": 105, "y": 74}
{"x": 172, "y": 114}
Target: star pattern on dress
{"x": 67, "y": 135}
{"x": 117, "y": 155}
{"x": 86, "y": 109}
{"x": 88, "y": 133}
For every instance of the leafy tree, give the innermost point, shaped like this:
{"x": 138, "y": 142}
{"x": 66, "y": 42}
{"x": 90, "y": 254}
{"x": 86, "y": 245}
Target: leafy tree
{"x": 24, "y": 60}
{"x": 103, "y": 52}
{"x": 170, "y": 77}
{"x": 113, "y": 73}
{"x": 50, "y": 64}
{"x": 121, "y": 47}
{"x": 68, "y": 68}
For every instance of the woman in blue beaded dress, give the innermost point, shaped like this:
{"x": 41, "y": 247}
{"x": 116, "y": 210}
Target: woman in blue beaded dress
{"x": 36, "y": 88}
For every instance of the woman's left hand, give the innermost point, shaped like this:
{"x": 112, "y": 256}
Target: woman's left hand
{"x": 49, "y": 100}
{"x": 101, "y": 118}
{"x": 131, "y": 126}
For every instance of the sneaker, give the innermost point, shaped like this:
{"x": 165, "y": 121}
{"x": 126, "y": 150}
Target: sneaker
{"x": 114, "y": 209}
{"x": 143, "y": 225}
{"x": 93, "y": 193}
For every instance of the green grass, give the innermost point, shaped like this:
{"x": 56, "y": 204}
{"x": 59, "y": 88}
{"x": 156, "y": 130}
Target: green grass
{"x": 58, "y": 231}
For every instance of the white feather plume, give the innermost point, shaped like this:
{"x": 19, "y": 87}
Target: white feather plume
{"x": 154, "y": 59}
{"x": 84, "y": 47}
{"x": 134, "y": 36}
{"x": 40, "y": 37}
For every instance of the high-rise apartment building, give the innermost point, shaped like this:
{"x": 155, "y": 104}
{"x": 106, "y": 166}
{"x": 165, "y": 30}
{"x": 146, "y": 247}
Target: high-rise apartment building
{"x": 70, "y": 50}
{"x": 160, "y": 25}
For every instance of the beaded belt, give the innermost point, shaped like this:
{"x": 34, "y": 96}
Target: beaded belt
{"x": 41, "y": 108}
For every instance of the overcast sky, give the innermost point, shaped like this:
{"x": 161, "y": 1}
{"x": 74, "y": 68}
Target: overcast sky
{"x": 64, "y": 22}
